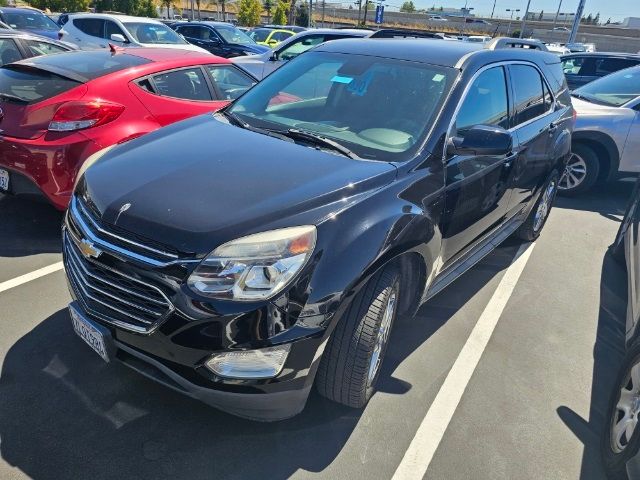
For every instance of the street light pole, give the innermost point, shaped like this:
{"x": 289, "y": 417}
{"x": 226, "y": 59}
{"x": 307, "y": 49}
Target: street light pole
{"x": 511, "y": 18}
{"x": 555, "y": 20}
{"x": 493, "y": 9}
{"x": 524, "y": 19}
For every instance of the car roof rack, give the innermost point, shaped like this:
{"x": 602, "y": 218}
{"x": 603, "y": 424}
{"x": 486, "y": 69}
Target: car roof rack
{"x": 401, "y": 33}
{"x": 504, "y": 42}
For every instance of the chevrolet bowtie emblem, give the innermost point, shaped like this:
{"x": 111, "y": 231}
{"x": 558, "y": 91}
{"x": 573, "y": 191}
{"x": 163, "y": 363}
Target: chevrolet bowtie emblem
{"x": 88, "y": 249}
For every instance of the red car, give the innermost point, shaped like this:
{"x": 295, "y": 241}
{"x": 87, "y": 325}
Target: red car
{"x": 57, "y": 110}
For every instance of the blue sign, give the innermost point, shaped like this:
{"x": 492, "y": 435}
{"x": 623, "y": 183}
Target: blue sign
{"x": 379, "y": 14}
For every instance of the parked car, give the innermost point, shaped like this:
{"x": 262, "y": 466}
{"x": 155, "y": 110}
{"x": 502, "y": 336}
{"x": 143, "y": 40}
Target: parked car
{"x": 262, "y": 65}
{"x": 558, "y": 49}
{"x": 582, "y": 68}
{"x": 478, "y": 38}
{"x": 620, "y": 441}
{"x": 29, "y": 20}
{"x": 476, "y": 21}
{"x": 61, "y": 109}
{"x": 436, "y": 18}
{"x": 15, "y": 45}
{"x": 296, "y": 233}
{"x": 220, "y": 38}
{"x": 293, "y": 28}
{"x": 561, "y": 29}
{"x": 97, "y": 30}
{"x": 269, "y": 36}
{"x": 606, "y": 139}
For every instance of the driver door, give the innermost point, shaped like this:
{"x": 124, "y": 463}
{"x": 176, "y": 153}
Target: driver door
{"x": 477, "y": 193}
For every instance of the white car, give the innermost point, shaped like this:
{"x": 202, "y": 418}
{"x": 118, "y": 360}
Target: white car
{"x": 558, "y": 49}
{"x": 90, "y": 31}
{"x": 436, "y": 18}
{"x": 478, "y": 39}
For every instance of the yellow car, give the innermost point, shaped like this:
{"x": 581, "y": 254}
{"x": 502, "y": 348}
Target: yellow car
{"x": 269, "y": 36}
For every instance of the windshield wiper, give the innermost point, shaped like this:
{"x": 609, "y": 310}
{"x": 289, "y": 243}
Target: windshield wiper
{"x": 319, "y": 141}
{"x": 12, "y": 98}
{"x": 238, "y": 122}
{"x": 581, "y": 97}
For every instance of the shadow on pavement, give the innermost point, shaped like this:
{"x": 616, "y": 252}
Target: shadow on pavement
{"x": 66, "y": 414}
{"x": 608, "y": 352}
{"x": 608, "y": 200}
{"x": 28, "y": 227}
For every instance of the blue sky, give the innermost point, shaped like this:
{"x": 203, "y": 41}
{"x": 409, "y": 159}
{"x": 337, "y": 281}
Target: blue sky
{"x": 616, "y": 9}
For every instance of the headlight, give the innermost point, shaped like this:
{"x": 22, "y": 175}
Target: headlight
{"x": 255, "y": 267}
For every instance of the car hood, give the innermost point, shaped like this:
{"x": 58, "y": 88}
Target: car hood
{"x": 201, "y": 182}
{"x": 254, "y": 64}
{"x": 257, "y": 49}
{"x": 603, "y": 117}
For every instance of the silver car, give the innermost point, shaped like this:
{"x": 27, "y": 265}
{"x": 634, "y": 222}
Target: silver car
{"x": 606, "y": 137}
{"x": 263, "y": 64}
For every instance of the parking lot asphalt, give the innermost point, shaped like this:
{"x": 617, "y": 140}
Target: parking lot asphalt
{"x": 532, "y": 409}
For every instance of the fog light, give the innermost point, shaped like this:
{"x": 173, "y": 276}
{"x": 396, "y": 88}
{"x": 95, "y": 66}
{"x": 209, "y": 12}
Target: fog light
{"x": 255, "y": 364}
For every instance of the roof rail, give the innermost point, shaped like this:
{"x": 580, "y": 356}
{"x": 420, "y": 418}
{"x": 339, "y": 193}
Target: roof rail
{"x": 401, "y": 33}
{"x": 504, "y": 42}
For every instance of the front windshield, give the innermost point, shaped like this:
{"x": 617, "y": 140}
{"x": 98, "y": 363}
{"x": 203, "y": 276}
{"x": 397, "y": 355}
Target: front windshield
{"x": 233, "y": 35}
{"x": 30, "y": 21}
{"x": 153, "y": 33}
{"x": 259, "y": 35}
{"x": 380, "y": 109}
{"x": 616, "y": 89}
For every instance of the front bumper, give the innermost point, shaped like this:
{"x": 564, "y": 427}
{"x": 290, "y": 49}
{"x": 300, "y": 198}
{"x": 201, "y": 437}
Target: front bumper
{"x": 46, "y": 165}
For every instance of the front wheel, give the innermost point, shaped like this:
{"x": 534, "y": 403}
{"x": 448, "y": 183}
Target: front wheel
{"x": 532, "y": 226}
{"x": 582, "y": 171}
{"x": 350, "y": 365}
{"x": 621, "y": 439}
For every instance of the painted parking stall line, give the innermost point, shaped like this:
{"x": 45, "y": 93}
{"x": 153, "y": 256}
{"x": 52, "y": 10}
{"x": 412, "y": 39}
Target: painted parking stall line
{"x": 418, "y": 456}
{"x": 28, "y": 277}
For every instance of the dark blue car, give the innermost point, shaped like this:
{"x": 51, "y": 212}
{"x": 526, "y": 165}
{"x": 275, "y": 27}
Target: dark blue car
{"x": 220, "y": 38}
{"x": 29, "y": 20}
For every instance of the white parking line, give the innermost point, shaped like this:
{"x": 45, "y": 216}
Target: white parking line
{"x": 418, "y": 456}
{"x": 27, "y": 277}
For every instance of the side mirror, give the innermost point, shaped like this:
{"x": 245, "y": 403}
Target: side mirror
{"x": 481, "y": 140}
{"x": 273, "y": 57}
{"x": 117, "y": 37}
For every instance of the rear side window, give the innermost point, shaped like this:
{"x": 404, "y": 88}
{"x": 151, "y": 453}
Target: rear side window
{"x": 528, "y": 92}
{"x": 90, "y": 26}
{"x": 38, "y": 47}
{"x": 188, "y": 84}
{"x": 33, "y": 85}
{"x": 89, "y": 64}
{"x": 605, "y": 66}
{"x": 486, "y": 102}
{"x": 8, "y": 51}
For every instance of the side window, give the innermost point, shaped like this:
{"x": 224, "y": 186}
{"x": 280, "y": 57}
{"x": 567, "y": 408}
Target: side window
{"x": 486, "y": 102}
{"x": 605, "y": 66}
{"x": 529, "y": 97}
{"x": 37, "y": 47}
{"x": 190, "y": 32}
{"x": 300, "y": 46}
{"x": 90, "y": 26}
{"x": 230, "y": 81}
{"x": 112, "y": 28}
{"x": 187, "y": 84}
{"x": 8, "y": 51}
{"x": 280, "y": 36}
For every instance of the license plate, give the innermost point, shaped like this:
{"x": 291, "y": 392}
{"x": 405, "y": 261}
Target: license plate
{"x": 4, "y": 180}
{"x": 89, "y": 333}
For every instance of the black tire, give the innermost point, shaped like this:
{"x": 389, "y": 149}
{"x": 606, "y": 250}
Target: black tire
{"x": 615, "y": 462}
{"x": 530, "y": 229}
{"x": 343, "y": 374}
{"x": 592, "y": 169}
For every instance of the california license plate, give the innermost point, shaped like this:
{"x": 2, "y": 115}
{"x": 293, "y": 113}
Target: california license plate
{"x": 89, "y": 333}
{"x": 4, "y": 180}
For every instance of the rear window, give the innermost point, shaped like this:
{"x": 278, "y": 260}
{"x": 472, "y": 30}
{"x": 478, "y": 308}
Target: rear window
{"x": 32, "y": 85}
{"x": 89, "y": 64}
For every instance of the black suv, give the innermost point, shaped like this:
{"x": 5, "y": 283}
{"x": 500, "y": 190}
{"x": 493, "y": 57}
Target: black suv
{"x": 244, "y": 256}
{"x": 220, "y": 38}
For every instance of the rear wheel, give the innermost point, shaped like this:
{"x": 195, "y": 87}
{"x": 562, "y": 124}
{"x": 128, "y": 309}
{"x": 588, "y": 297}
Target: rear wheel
{"x": 582, "y": 171}
{"x": 350, "y": 365}
{"x": 532, "y": 226}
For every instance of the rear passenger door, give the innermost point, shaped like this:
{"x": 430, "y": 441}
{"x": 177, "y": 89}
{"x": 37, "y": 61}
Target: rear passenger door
{"x": 92, "y": 30}
{"x": 177, "y": 94}
{"x": 534, "y": 129}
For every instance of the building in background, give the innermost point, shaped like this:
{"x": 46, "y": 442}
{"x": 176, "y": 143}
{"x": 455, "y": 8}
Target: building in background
{"x": 631, "y": 22}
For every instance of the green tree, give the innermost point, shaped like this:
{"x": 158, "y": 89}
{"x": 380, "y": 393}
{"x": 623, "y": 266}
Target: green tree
{"x": 268, "y": 5}
{"x": 249, "y": 12}
{"x": 59, "y": 5}
{"x": 280, "y": 14}
{"x": 596, "y": 20}
{"x": 541, "y": 16}
{"x": 408, "y": 7}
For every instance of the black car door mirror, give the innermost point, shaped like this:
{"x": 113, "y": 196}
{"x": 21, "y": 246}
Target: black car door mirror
{"x": 481, "y": 140}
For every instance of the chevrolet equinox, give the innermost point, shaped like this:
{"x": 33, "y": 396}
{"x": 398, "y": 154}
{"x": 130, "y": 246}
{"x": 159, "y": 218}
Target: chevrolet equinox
{"x": 243, "y": 256}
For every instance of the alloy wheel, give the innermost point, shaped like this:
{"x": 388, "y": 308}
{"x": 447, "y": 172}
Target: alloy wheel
{"x": 627, "y": 411}
{"x": 382, "y": 338}
{"x": 545, "y": 205}
{"x": 574, "y": 174}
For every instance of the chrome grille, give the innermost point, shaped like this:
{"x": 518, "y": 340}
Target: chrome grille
{"x": 113, "y": 296}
